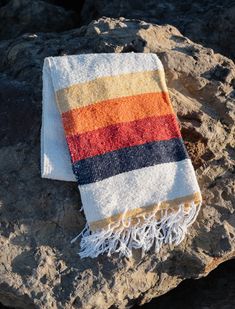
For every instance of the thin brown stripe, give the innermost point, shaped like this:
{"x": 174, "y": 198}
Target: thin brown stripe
{"x": 139, "y": 212}
{"x": 106, "y": 88}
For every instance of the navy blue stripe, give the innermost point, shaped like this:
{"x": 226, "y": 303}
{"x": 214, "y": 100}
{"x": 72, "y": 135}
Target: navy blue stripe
{"x": 126, "y": 159}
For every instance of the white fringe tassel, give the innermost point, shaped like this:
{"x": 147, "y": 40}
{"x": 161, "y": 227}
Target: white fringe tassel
{"x": 123, "y": 237}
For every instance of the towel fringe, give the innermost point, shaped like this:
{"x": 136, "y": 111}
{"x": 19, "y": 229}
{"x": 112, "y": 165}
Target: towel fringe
{"x": 148, "y": 232}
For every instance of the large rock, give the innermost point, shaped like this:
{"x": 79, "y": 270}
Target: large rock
{"x": 39, "y": 268}
{"x": 211, "y": 22}
{"x": 21, "y": 16}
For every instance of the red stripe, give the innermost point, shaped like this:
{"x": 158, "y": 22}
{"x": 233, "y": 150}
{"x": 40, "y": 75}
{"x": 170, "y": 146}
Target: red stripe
{"x": 122, "y": 135}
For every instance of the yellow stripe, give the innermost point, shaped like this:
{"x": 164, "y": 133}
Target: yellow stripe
{"x": 111, "y": 87}
{"x": 139, "y": 212}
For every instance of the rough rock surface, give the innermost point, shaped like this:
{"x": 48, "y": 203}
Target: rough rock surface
{"x": 211, "y": 22}
{"x": 207, "y": 293}
{"x": 38, "y": 218}
{"x": 20, "y": 16}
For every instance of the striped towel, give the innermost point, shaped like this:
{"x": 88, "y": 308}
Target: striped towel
{"x": 108, "y": 123}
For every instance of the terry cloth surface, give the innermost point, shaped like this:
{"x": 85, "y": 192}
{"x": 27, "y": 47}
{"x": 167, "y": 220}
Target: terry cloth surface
{"x": 108, "y": 117}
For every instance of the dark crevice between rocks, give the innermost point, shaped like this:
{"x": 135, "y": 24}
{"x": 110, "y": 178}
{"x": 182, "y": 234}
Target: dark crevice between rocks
{"x": 216, "y": 291}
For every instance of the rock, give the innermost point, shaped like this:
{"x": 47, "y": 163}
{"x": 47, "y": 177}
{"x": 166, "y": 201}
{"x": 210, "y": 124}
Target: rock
{"x": 16, "y": 96}
{"x": 211, "y": 22}
{"x": 215, "y": 32}
{"x": 29, "y": 16}
{"x": 208, "y": 292}
{"x": 39, "y": 268}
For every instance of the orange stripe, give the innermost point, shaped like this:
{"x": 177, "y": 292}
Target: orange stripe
{"x": 114, "y": 111}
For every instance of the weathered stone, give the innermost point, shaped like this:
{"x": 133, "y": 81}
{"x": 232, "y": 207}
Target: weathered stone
{"x": 211, "y": 22}
{"x": 207, "y": 293}
{"x": 39, "y": 268}
{"x": 29, "y": 16}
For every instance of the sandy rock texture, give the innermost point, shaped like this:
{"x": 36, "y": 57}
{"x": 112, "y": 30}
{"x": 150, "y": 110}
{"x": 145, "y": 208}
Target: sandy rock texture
{"x": 39, "y": 268}
{"x": 210, "y": 22}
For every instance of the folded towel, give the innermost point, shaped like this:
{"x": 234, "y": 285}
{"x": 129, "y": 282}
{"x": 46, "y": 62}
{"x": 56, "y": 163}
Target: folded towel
{"x": 109, "y": 119}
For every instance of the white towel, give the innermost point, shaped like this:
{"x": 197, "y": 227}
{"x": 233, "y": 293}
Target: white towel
{"x": 137, "y": 183}
{"x": 55, "y": 157}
